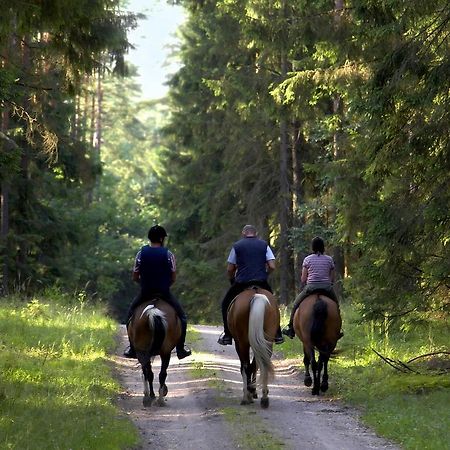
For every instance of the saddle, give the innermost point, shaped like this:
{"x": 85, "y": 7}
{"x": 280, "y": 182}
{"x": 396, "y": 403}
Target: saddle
{"x": 248, "y": 288}
{"x": 321, "y": 291}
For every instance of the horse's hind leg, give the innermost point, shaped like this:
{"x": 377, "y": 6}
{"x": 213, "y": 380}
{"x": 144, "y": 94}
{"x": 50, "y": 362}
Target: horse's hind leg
{"x": 324, "y": 360}
{"x": 246, "y": 373}
{"x": 306, "y": 362}
{"x": 252, "y": 384}
{"x": 316, "y": 376}
{"x": 265, "y": 388}
{"x": 165, "y": 359}
{"x": 149, "y": 394}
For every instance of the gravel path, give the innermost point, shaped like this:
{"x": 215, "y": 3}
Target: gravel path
{"x": 203, "y": 406}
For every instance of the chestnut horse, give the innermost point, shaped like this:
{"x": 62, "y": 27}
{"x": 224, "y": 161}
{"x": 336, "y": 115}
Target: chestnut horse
{"x": 253, "y": 319}
{"x": 317, "y": 322}
{"x": 154, "y": 329}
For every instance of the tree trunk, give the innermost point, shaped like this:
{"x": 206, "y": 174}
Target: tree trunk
{"x": 4, "y": 212}
{"x": 285, "y": 202}
{"x": 98, "y": 122}
{"x": 338, "y": 251}
{"x": 298, "y": 143}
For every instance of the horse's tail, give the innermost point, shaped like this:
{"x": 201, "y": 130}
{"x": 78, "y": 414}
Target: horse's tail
{"x": 261, "y": 347}
{"x": 157, "y": 324}
{"x": 320, "y": 313}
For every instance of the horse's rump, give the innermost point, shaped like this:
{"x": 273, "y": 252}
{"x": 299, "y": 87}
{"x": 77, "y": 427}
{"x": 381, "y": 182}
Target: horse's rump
{"x": 239, "y": 315}
{"x": 154, "y": 327}
{"x": 318, "y": 321}
{"x": 253, "y": 320}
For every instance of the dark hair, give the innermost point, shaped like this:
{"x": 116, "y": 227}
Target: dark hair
{"x": 157, "y": 233}
{"x": 318, "y": 245}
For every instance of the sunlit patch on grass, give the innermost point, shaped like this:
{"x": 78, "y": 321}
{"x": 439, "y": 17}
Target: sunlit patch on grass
{"x": 56, "y": 389}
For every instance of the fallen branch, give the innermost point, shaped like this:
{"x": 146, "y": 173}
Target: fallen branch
{"x": 428, "y": 354}
{"x": 396, "y": 364}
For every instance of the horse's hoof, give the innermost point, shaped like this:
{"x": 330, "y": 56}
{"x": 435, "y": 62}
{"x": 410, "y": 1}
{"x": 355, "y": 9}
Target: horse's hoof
{"x": 164, "y": 391}
{"x": 308, "y": 381}
{"x": 255, "y": 395}
{"x": 315, "y": 391}
{"x": 265, "y": 402}
{"x": 147, "y": 401}
{"x": 324, "y": 387}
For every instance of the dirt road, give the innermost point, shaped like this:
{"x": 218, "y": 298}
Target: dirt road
{"x": 203, "y": 407}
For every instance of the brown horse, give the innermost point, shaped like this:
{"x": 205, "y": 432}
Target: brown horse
{"x": 253, "y": 319}
{"x": 154, "y": 329}
{"x": 317, "y": 322}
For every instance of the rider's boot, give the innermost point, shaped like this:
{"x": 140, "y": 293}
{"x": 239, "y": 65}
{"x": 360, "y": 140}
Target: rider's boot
{"x": 225, "y": 338}
{"x": 130, "y": 352}
{"x": 182, "y": 349}
{"x": 289, "y": 330}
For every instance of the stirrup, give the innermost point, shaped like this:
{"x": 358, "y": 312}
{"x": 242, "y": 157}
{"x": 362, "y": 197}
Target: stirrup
{"x": 183, "y": 352}
{"x": 225, "y": 339}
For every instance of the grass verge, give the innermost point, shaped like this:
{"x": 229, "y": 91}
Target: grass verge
{"x": 408, "y": 408}
{"x": 56, "y": 386}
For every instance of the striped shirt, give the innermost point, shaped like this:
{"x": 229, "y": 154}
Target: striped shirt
{"x": 319, "y": 268}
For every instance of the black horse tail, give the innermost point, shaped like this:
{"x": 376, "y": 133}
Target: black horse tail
{"x": 158, "y": 326}
{"x": 320, "y": 313}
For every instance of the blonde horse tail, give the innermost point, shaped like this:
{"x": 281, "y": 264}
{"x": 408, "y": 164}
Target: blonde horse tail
{"x": 262, "y": 348}
{"x": 157, "y": 325}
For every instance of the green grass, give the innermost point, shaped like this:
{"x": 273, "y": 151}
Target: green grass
{"x": 409, "y": 408}
{"x": 56, "y": 387}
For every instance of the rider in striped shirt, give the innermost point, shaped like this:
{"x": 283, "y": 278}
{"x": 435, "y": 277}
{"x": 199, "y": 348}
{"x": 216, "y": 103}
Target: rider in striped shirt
{"x": 317, "y": 277}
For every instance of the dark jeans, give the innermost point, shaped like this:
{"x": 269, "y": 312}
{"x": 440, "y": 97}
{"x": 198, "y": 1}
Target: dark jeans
{"x": 312, "y": 288}
{"x": 168, "y": 298}
{"x": 235, "y": 290}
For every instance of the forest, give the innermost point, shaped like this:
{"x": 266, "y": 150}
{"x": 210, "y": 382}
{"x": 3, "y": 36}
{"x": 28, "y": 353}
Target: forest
{"x": 303, "y": 118}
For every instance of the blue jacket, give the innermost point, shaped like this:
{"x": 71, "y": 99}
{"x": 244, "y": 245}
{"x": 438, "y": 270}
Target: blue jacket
{"x": 155, "y": 270}
{"x": 250, "y": 259}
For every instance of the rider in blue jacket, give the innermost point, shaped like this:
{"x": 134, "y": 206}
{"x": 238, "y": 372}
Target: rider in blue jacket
{"x": 249, "y": 263}
{"x": 155, "y": 270}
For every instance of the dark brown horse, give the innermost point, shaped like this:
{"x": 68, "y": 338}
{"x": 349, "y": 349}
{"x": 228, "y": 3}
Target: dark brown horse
{"x": 154, "y": 330}
{"x": 253, "y": 319}
{"x": 317, "y": 322}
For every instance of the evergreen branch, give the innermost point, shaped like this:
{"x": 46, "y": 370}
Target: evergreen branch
{"x": 300, "y": 18}
{"x": 49, "y": 139}
{"x": 37, "y": 88}
{"x": 400, "y": 314}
